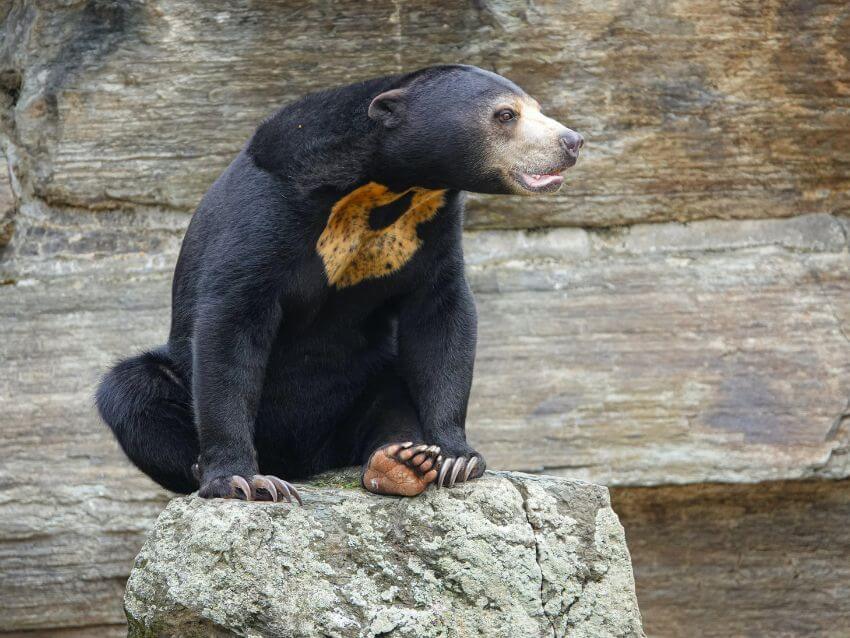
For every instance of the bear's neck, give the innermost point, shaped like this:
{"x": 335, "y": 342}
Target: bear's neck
{"x": 325, "y": 144}
{"x": 324, "y": 141}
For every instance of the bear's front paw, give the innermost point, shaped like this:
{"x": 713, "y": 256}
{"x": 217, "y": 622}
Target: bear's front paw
{"x": 259, "y": 487}
{"x": 459, "y": 469}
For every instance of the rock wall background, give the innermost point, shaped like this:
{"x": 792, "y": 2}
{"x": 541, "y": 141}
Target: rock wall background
{"x": 678, "y": 317}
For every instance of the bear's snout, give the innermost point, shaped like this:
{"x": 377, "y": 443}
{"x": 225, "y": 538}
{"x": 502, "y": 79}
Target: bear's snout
{"x": 571, "y": 143}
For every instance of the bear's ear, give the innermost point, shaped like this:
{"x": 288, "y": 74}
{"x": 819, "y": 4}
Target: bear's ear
{"x": 388, "y": 107}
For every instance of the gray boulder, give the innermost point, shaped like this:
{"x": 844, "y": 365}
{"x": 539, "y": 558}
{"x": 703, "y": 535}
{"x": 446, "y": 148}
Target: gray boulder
{"x": 509, "y": 555}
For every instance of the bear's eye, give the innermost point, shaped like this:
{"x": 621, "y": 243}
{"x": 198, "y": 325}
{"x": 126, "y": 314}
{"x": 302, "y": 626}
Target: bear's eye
{"x": 506, "y": 115}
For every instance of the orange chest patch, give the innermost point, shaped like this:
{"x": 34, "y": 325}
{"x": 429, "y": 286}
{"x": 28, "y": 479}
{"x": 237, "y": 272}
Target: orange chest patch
{"x": 352, "y": 250}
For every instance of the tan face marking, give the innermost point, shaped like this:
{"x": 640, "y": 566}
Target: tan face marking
{"x": 535, "y": 128}
{"x": 352, "y": 251}
{"x": 533, "y": 142}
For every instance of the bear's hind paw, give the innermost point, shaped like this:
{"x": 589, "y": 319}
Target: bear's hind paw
{"x": 401, "y": 469}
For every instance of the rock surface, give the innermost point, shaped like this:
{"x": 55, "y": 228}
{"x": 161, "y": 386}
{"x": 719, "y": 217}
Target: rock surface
{"x": 691, "y": 109}
{"x": 509, "y": 555}
{"x": 607, "y": 356}
{"x": 721, "y": 560}
{"x": 7, "y": 205}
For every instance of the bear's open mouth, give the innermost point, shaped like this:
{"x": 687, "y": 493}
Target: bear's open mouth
{"x": 545, "y": 181}
{"x": 542, "y": 180}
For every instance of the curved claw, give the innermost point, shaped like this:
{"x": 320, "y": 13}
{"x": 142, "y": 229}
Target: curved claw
{"x": 262, "y": 482}
{"x": 444, "y": 469}
{"x": 459, "y": 464}
{"x": 295, "y": 493}
{"x": 282, "y": 490}
{"x": 286, "y": 490}
{"x": 243, "y": 485}
{"x": 473, "y": 462}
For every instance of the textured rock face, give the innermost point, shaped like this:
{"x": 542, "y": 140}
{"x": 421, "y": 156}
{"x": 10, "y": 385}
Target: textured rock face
{"x": 625, "y": 357}
{"x": 509, "y": 555}
{"x": 691, "y": 109}
{"x": 7, "y": 206}
{"x": 768, "y": 559}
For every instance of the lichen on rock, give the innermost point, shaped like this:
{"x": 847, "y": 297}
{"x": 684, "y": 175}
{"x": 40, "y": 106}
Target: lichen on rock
{"x": 507, "y": 555}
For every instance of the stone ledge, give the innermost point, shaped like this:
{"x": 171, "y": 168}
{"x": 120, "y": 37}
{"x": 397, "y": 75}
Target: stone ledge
{"x": 509, "y": 555}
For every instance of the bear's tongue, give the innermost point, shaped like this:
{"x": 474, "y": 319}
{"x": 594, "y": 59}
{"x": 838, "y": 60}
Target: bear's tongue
{"x": 534, "y": 180}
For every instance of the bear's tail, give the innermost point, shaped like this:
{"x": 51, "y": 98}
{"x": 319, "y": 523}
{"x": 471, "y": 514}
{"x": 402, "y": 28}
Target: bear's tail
{"x": 148, "y": 406}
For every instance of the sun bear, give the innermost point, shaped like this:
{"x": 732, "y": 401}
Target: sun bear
{"x": 321, "y": 316}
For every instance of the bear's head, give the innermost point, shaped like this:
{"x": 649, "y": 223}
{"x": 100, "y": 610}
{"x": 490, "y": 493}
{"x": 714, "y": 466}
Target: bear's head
{"x": 469, "y": 129}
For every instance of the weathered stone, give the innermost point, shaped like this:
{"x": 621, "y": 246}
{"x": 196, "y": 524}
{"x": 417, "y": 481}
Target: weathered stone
{"x": 89, "y": 631}
{"x": 349, "y": 563}
{"x": 704, "y": 355}
{"x": 72, "y": 513}
{"x": 600, "y": 357}
{"x": 692, "y": 109}
{"x": 8, "y": 206}
{"x": 768, "y": 559}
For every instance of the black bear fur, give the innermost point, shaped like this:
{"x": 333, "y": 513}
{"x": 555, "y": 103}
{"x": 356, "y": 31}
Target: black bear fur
{"x": 269, "y": 368}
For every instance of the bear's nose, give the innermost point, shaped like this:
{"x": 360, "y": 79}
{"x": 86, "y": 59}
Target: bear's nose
{"x": 572, "y": 142}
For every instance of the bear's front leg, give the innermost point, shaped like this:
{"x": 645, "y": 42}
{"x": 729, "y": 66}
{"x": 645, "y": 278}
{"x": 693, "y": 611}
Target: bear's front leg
{"x": 437, "y": 333}
{"x": 234, "y": 335}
